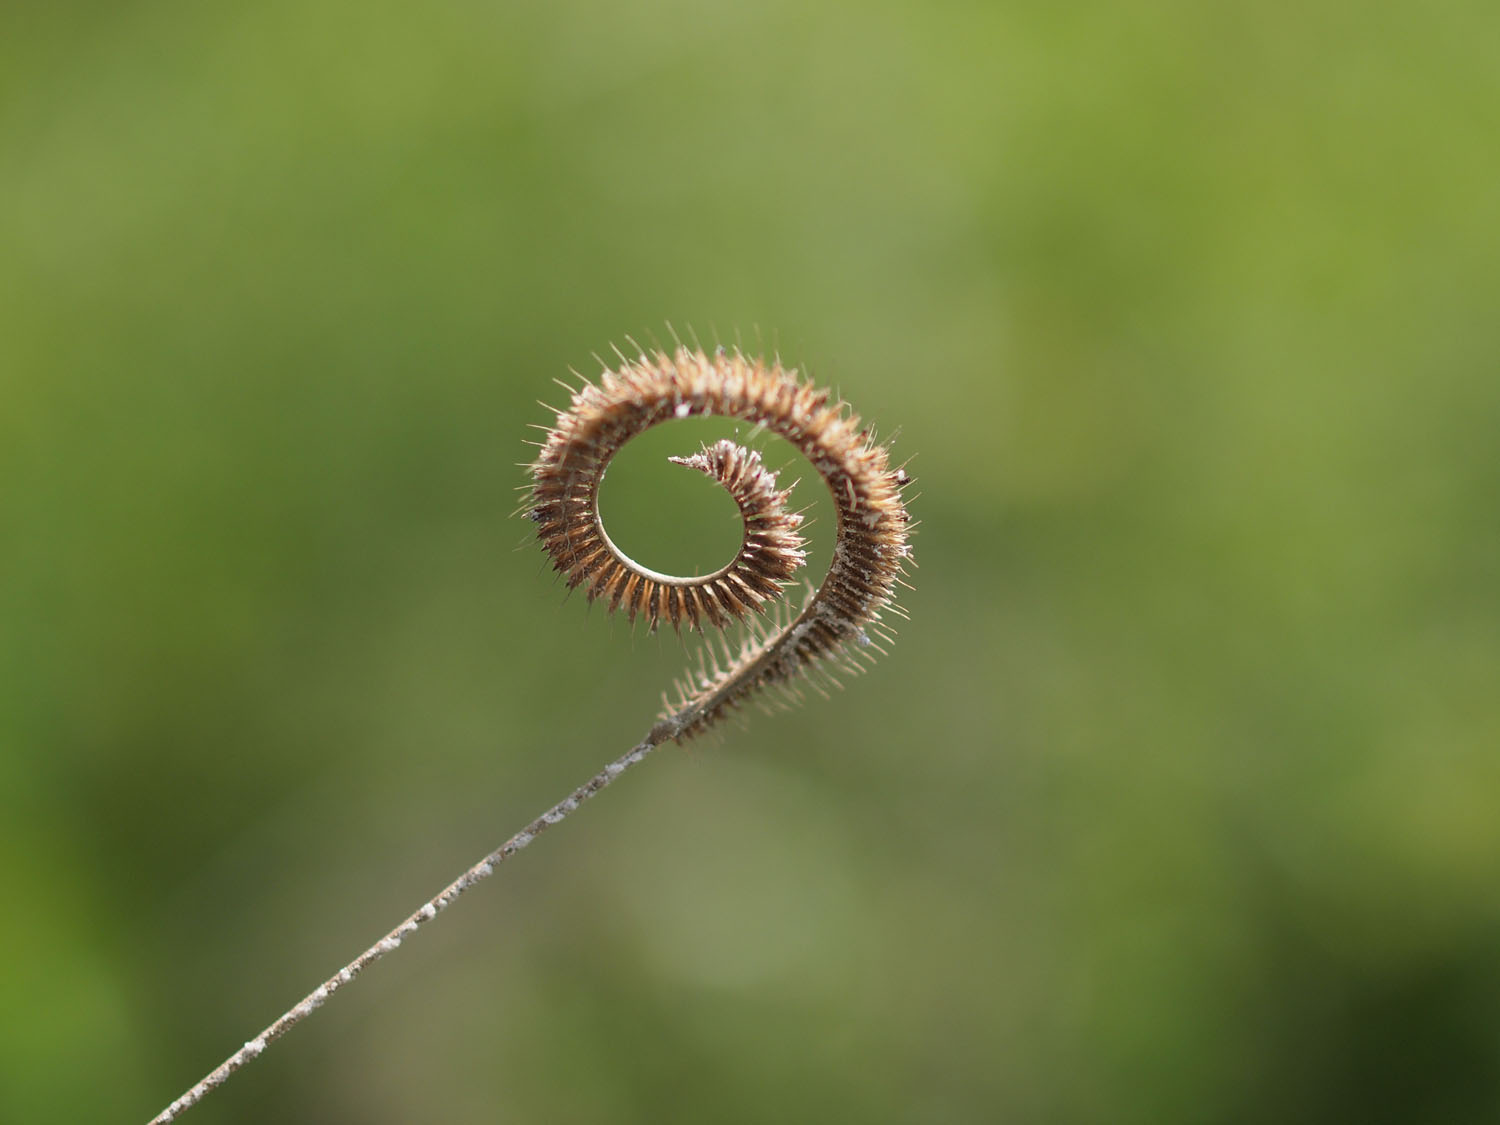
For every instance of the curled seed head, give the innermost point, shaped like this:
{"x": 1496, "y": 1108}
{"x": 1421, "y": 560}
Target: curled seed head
{"x": 870, "y": 553}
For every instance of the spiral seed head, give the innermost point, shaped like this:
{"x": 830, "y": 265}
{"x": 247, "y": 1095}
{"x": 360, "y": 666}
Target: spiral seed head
{"x": 870, "y": 553}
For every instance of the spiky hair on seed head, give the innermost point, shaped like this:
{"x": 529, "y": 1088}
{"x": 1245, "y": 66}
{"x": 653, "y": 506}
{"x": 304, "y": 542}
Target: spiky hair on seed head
{"x": 871, "y": 549}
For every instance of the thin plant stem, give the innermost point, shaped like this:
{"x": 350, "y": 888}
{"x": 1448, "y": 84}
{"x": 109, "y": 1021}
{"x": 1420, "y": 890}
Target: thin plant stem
{"x": 425, "y": 913}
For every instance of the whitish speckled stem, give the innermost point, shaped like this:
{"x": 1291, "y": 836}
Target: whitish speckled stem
{"x": 425, "y": 913}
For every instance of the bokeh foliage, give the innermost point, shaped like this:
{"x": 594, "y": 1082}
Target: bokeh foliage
{"x": 1177, "y": 800}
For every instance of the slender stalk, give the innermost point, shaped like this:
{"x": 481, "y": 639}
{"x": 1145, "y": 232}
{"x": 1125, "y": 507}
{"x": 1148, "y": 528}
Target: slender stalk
{"x": 425, "y": 913}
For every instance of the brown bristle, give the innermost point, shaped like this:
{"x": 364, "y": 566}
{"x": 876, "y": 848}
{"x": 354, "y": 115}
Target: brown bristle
{"x": 869, "y": 555}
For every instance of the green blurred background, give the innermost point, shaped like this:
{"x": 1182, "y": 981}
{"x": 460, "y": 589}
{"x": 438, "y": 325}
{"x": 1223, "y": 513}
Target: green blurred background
{"x": 1176, "y": 800}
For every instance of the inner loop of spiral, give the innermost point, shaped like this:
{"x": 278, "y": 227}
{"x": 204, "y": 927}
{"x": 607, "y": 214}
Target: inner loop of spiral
{"x": 754, "y": 494}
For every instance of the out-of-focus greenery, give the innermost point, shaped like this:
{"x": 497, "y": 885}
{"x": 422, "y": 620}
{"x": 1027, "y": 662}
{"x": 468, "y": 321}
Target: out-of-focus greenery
{"x": 1178, "y": 799}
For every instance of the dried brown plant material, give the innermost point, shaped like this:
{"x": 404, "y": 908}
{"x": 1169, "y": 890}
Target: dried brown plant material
{"x": 839, "y": 623}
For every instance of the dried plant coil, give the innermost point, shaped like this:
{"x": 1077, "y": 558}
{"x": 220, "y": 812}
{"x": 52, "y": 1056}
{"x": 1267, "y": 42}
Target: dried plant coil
{"x": 841, "y": 619}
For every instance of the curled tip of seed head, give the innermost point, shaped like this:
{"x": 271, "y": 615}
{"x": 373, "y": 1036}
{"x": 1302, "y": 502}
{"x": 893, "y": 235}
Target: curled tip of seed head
{"x": 834, "y": 628}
